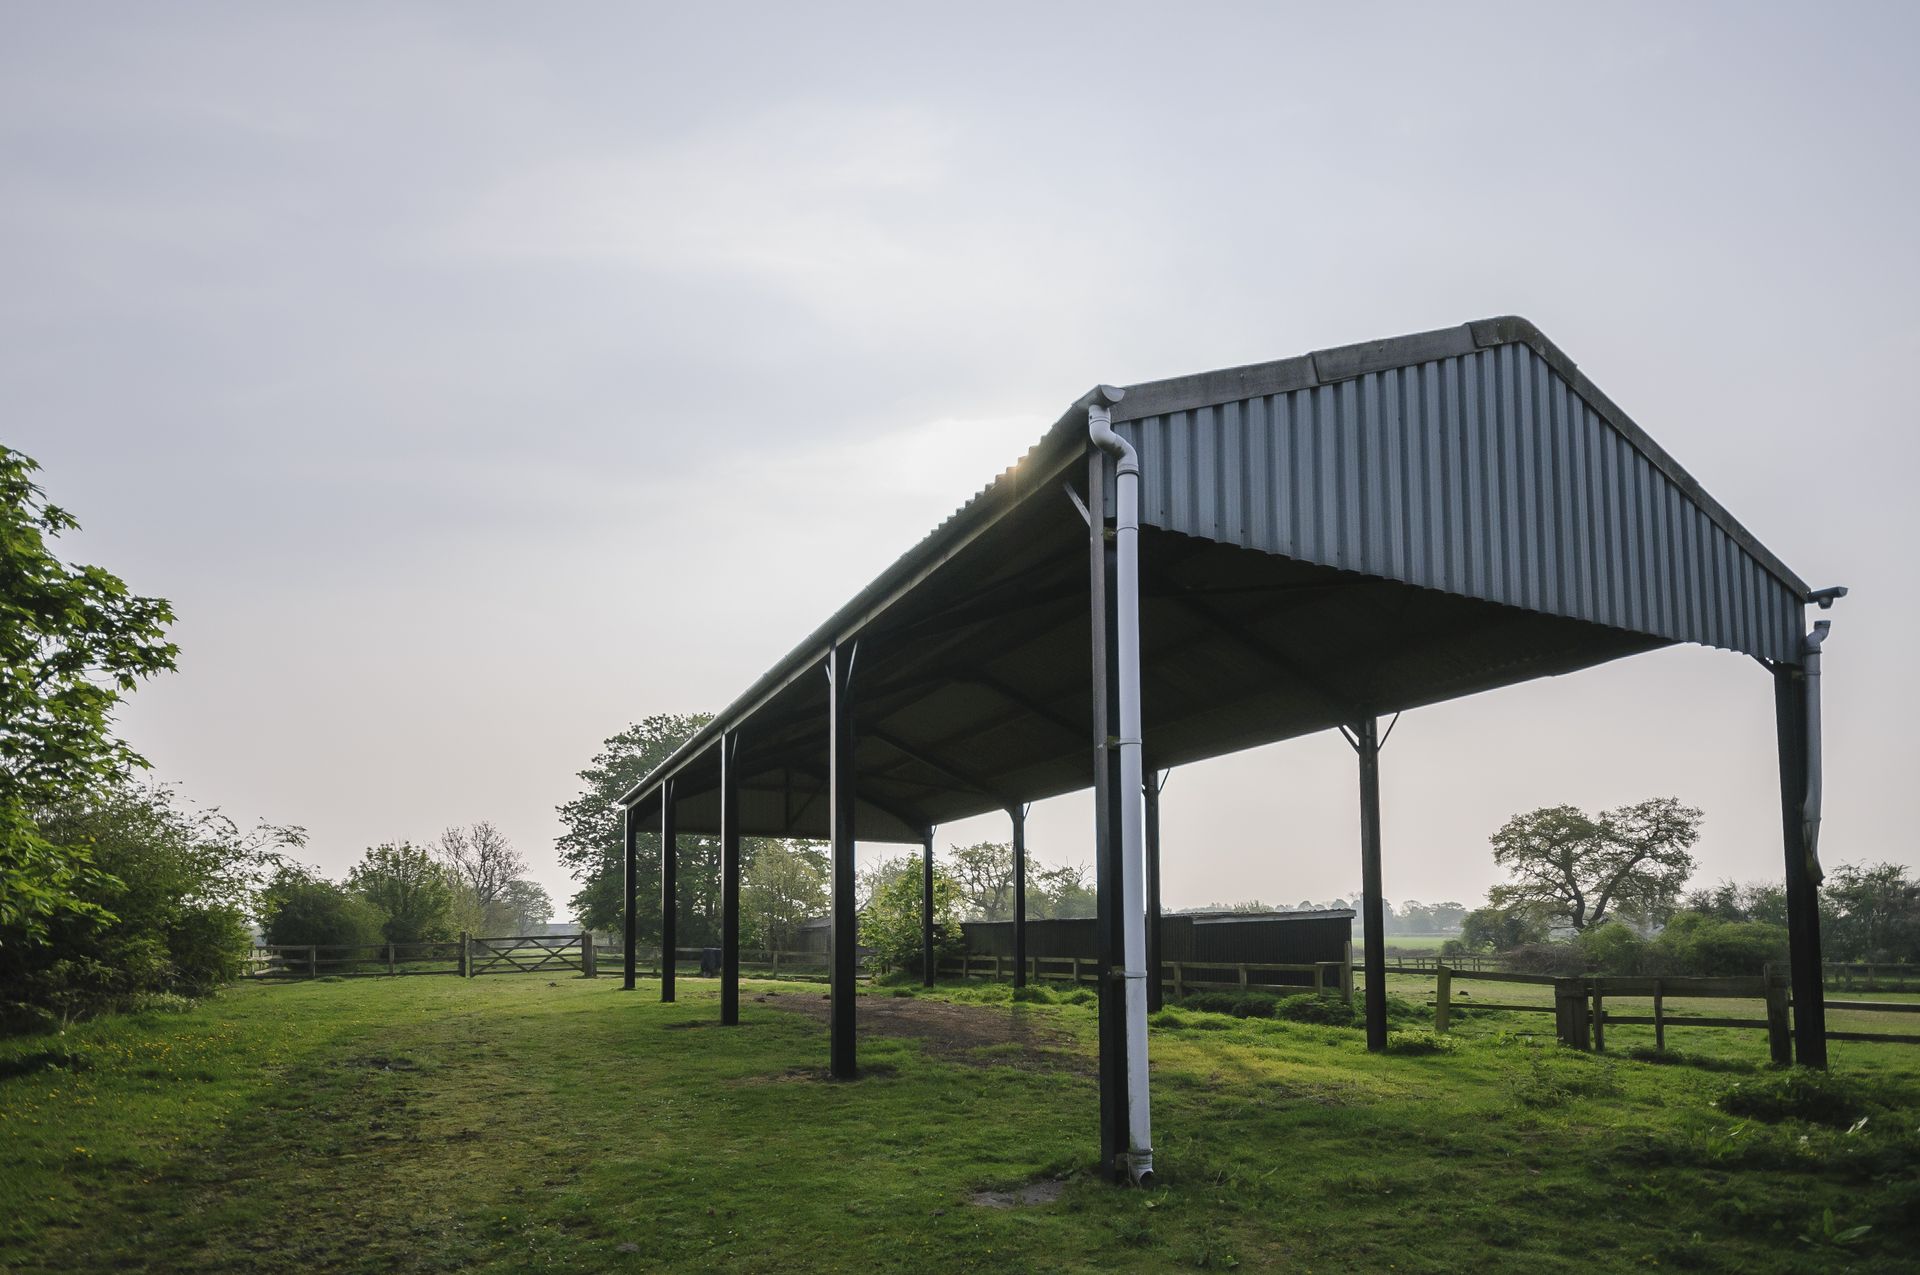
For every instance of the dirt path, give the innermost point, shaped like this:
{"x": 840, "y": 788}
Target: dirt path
{"x": 982, "y": 1035}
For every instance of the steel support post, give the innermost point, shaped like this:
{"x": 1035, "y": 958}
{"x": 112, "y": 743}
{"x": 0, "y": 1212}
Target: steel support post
{"x": 840, "y": 781}
{"x": 1373, "y": 906}
{"x": 926, "y": 908}
{"x": 729, "y": 879}
{"x": 1108, "y": 868}
{"x": 1019, "y": 816}
{"x": 669, "y": 889}
{"x": 1152, "y": 795}
{"x": 630, "y": 838}
{"x": 1803, "y": 894}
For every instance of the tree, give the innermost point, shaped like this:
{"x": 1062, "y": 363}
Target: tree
{"x": 179, "y": 882}
{"x": 524, "y": 905}
{"x": 299, "y": 907}
{"x": 890, "y": 922}
{"x": 74, "y": 640}
{"x": 414, "y": 890}
{"x": 1873, "y": 913}
{"x": 1061, "y": 893}
{"x": 593, "y": 851}
{"x": 983, "y": 872}
{"x": 784, "y": 886}
{"x": 1501, "y": 928}
{"x": 482, "y": 859}
{"x": 1584, "y": 869}
{"x": 1755, "y": 901}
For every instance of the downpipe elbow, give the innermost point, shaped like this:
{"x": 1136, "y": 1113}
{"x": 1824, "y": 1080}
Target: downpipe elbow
{"x": 1100, "y": 431}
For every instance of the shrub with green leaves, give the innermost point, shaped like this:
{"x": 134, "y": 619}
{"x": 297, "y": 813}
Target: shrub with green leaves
{"x": 299, "y": 908}
{"x": 1799, "y": 1093}
{"x": 1413, "y": 1044}
{"x": 1325, "y": 1009}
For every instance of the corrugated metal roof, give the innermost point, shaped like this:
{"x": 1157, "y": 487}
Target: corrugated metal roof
{"x": 1483, "y": 473}
{"x": 1447, "y": 511}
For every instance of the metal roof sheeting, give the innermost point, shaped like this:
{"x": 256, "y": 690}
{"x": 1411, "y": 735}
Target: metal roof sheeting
{"x": 1357, "y": 530}
{"x": 1482, "y": 473}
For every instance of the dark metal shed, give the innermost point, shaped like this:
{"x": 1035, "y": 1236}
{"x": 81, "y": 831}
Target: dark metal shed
{"x": 1320, "y": 541}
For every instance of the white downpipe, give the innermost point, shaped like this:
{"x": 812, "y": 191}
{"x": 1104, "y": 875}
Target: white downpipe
{"x": 1133, "y": 924}
{"x": 1810, "y": 807}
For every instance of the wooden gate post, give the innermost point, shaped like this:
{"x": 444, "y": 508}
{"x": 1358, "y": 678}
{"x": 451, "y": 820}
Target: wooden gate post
{"x": 1442, "y": 997}
{"x": 1599, "y": 1020}
{"x": 1779, "y": 1032}
{"x": 466, "y": 955}
{"x": 588, "y": 964}
{"x": 1570, "y": 1013}
{"x": 1659, "y": 1019}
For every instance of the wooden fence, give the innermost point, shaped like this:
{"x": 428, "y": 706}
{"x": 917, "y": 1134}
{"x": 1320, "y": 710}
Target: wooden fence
{"x": 1178, "y": 977}
{"x": 1581, "y": 1016}
{"x": 464, "y": 957}
{"x": 1845, "y": 975}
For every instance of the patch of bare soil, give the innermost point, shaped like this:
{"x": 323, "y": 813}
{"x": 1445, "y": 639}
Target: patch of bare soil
{"x": 979, "y": 1035}
{"x": 1042, "y": 1192}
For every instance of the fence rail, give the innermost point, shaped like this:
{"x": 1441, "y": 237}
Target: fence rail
{"x": 1581, "y": 1016}
{"x": 464, "y": 957}
{"x": 1178, "y": 977}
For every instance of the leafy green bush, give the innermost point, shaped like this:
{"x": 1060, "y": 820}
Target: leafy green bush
{"x": 1036, "y": 995}
{"x": 298, "y": 909}
{"x": 1800, "y": 1093}
{"x": 1612, "y": 948}
{"x": 1237, "y": 1004}
{"x": 1413, "y": 1044}
{"x": 1707, "y": 946}
{"x": 1325, "y": 1009}
{"x": 1676, "y": 1058}
{"x": 1078, "y": 996}
{"x": 171, "y": 890}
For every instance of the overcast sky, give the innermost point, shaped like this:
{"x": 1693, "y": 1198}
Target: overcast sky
{"x": 478, "y": 379}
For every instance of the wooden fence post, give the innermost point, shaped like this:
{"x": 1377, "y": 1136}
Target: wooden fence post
{"x": 466, "y": 955}
{"x": 1076, "y": 971}
{"x": 1659, "y": 1019}
{"x": 1346, "y": 973}
{"x": 389, "y": 958}
{"x": 996, "y": 967}
{"x": 1179, "y": 982}
{"x": 1779, "y": 1033}
{"x": 589, "y": 967}
{"x": 1442, "y": 997}
{"x": 1243, "y": 974}
{"x": 313, "y": 961}
{"x": 1599, "y": 1020}
{"x": 1570, "y": 1013}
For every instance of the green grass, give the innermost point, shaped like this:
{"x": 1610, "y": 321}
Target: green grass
{"x": 521, "y": 1124}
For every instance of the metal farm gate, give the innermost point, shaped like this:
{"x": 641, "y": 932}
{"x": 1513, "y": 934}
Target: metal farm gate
{"x": 532, "y": 954}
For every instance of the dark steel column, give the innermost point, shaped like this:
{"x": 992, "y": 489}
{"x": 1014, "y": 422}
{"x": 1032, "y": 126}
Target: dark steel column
{"x": 1803, "y": 895}
{"x": 1019, "y": 816}
{"x": 729, "y": 879}
{"x": 1153, "y": 890}
{"x": 1109, "y": 867}
{"x": 1366, "y": 733}
{"x": 840, "y": 780}
{"x": 630, "y": 838}
{"x": 669, "y": 889}
{"x": 926, "y": 908}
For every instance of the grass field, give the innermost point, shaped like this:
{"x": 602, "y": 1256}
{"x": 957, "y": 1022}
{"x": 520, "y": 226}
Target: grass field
{"x": 517, "y": 1124}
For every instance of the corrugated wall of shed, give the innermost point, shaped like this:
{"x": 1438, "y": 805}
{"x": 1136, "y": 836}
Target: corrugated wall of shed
{"x": 1484, "y": 474}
